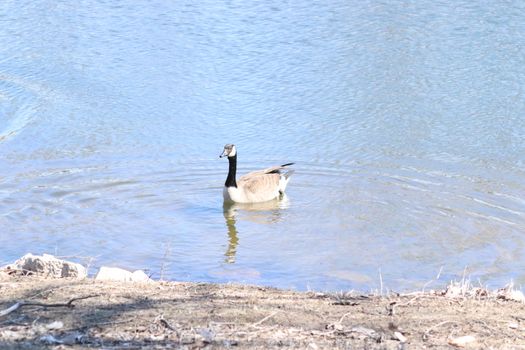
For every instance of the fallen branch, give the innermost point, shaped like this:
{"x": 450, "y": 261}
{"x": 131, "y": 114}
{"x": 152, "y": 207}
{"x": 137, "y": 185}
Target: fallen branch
{"x": 166, "y": 324}
{"x": 391, "y": 307}
{"x": 10, "y": 309}
{"x": 264, "y": 319}
{"x": 343, "y": 317}
{"x": 20, "y": 304}
{"x": 426, "y": 334}
{"x": 160, "y": 319}
{"x": 68, "y": 304}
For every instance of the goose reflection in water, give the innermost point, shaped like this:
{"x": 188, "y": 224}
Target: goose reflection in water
{"x": 260, "y": 213}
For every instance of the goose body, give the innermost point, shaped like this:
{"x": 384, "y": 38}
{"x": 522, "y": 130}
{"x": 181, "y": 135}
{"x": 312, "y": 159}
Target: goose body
{"x": 256, "y": 186}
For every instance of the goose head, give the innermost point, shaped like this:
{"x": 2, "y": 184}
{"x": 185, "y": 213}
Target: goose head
{"x": 229, "y": 151}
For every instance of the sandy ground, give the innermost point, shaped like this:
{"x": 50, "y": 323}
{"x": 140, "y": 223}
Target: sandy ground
{"x": 68, "y": 314}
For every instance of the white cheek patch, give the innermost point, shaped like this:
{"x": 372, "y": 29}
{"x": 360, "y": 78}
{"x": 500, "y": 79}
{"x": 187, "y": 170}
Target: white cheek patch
{"x": 233, "y": 152}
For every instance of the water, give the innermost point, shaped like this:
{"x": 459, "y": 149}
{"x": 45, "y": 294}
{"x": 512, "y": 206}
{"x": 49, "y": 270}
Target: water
{"x": 405, "y": 120}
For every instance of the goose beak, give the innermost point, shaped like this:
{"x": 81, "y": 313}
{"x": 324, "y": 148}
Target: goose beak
{"x": 223, "y": 154}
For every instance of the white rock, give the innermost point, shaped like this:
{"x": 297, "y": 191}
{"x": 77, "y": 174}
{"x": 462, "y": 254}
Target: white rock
{"x": 509, "y": 293}
{"x": 113, "y": 274}
{"x": 399, "y": 336}
{"x": 73, "y": 338}
{"x": 49, "y": 266}
{"x": 140, "y": 276}
{"x": 454, "y": 291}
{"x": 55, "y": 325}
{"x": 117, "y": 274}
{"x": 462, "y": 341}
{"x": 50, "y": 340}
{"x": 207, "y": 334}
{"x": 516, "y": 295}
{"x": 11, "y": 335}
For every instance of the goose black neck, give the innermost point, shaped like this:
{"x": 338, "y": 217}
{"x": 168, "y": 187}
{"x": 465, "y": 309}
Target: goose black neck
{"x": 230, "y": 180}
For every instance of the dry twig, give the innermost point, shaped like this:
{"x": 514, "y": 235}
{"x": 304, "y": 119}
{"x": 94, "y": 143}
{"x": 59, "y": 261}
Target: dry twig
{"x": 20, "y": 304}
{"x": 427, "y": 332}
{"x": 265, "y": 318}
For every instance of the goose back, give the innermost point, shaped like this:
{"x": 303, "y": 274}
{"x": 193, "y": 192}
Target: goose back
{"x": 260, "y": 185}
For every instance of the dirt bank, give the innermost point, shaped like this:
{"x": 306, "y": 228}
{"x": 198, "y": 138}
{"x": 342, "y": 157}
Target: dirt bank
{"x": 67, "y": 314}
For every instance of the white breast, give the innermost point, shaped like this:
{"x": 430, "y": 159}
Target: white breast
{"x": 232, "y": 194}
{"x": 238, "y": 195}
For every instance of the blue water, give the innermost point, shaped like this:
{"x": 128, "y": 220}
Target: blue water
{"x": 406, "y": 121}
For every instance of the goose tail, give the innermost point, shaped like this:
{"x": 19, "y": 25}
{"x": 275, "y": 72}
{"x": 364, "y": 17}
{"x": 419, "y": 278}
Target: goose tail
{"x": 288, "y": 174}
{"x": 285, "y": 177}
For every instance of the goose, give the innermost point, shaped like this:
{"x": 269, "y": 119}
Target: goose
{"x": 257, "y": 186}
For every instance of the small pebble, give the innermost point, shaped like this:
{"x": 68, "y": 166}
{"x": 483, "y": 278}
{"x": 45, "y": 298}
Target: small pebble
{"x": 462, "y": 341}
{"x": 400, "y": 337}
{"x": 55, "y": 325}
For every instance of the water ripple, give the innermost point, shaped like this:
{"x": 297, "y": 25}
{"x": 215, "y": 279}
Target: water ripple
{"x": 405, "y": 121}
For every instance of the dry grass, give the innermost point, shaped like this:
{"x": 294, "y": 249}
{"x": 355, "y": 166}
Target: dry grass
{"x": 166, "y": 315}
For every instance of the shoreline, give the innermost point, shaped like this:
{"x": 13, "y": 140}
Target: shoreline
{"x": 85, "y": 313}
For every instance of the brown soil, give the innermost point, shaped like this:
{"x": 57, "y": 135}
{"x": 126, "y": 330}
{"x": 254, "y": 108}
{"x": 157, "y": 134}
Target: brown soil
{"x": 171, "y": 315}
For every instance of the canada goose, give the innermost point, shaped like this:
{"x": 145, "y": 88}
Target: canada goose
{"x": 254, "y": 187}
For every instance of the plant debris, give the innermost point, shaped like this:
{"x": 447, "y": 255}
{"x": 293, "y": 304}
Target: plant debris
{"x": 38, "y": 313}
